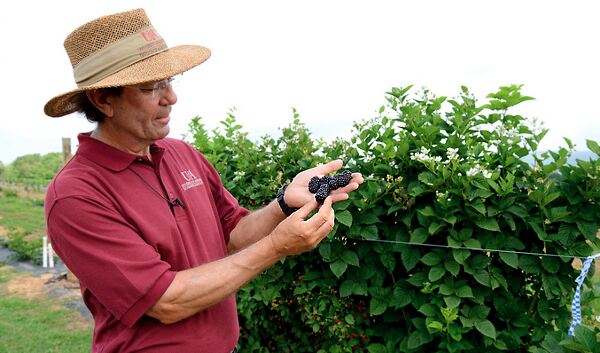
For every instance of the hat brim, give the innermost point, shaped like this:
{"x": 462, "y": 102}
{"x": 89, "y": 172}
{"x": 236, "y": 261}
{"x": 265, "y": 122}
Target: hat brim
{"x": 165, "y": 64}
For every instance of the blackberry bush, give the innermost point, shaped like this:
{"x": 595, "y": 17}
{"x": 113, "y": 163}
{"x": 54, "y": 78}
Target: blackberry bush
{"x": 439, "y": 171}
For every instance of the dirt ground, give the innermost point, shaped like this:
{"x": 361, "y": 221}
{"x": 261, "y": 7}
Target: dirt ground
{"x": 53, "y": 286}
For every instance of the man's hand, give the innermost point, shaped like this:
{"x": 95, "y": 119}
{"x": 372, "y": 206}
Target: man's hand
{"x": 296, "y": 234}
{"x": 297, "y": 194}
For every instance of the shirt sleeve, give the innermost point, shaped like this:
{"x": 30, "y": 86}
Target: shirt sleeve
{"x": 108, "y": 257}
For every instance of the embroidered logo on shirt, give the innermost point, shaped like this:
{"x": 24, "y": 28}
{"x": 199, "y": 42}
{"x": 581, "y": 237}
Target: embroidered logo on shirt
{"x": 191, "y": 180}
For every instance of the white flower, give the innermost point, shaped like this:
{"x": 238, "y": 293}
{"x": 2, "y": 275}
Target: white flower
{"x": 472, "y": 172}
{"x": 441, "y": 195}
{"x": 479, "y": 169}
{"x": 452, "y": 153}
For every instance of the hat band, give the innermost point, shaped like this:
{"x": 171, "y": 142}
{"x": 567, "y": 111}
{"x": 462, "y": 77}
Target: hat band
{"x": 118, "y": 55}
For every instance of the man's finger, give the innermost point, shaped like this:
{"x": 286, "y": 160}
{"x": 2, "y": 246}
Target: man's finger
{"x": 308, "y": 207}
{"x": 329, "y": 167}
{"x": 322, "y": 216}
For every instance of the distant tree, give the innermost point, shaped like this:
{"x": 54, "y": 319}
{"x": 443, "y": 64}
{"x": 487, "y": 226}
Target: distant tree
{"x": 2, "y": 168}
{"x": 34, "y": 167}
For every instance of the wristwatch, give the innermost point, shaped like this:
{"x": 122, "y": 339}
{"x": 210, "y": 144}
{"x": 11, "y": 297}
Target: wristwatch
{"x": 284, "y": 206}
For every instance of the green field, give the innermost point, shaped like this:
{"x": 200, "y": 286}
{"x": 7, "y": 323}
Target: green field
{"x": 38, "y": 324}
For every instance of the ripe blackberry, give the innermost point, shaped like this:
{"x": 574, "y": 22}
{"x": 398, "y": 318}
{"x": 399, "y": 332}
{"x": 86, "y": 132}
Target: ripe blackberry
{"x": 343, "y": 178}
{"x": 326, "y": 179}
{"x": 313, "y": 184}
{"x": 333, "y": 185}
{"x": 322, "y": 193}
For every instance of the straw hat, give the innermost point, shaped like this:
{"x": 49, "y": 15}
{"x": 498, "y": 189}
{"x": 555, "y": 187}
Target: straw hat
{"x": 119, "y": 50}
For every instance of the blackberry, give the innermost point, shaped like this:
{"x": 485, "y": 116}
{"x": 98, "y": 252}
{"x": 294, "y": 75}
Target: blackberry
{"x": 343, "y": 178}
{"x": 333, "y": 185}
{"x": 313, "y": 184}
{"x": 322, "y": 193}
{"x": 326, "y": 179}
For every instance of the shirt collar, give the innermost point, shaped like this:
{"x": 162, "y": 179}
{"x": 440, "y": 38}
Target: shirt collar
{"x": 110, "y": 157}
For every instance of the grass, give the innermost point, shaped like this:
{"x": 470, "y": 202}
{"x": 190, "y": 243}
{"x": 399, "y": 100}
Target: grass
{"x": 22, "y": 224}
{"x": 38, "y": 325}
{"x": 25, "y": 215}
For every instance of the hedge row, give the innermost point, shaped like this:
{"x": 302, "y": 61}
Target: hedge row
{"x": 439, "y": 171}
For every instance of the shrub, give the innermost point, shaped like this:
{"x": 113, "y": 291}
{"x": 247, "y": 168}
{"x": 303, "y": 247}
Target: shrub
{"x": 24, "y": 248}
{"x": 448, "y": 173}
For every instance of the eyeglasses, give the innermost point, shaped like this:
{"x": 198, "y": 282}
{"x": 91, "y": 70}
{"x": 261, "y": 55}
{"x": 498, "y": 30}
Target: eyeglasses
{"x": 159, "y": 87}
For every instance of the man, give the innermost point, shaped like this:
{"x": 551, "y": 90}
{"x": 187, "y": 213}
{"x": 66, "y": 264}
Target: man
{"x": 143, "y": 221}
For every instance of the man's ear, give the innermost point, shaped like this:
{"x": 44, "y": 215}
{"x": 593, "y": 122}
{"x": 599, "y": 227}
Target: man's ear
{"x": 101, "y": 100}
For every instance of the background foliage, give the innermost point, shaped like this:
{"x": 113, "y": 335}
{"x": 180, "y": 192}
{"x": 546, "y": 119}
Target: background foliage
{"x": 32, "y": 168}
{"x": 448, "y": 172}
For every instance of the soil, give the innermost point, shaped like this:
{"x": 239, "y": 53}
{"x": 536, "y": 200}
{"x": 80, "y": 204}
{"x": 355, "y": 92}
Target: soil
{"x": 33, "y": 281}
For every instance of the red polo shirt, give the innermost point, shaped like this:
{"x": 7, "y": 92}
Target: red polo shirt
{"x": 124, "y": 242}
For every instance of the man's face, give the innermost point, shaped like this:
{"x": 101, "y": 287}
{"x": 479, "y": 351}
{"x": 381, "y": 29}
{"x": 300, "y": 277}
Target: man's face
{"x": 141, "y": 112}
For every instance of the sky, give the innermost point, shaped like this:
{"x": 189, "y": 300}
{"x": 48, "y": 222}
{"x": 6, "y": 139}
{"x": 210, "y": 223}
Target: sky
{"x": 332, "y": 60}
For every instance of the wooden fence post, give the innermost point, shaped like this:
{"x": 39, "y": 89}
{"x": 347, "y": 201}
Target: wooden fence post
{"x": 66, "y": 148}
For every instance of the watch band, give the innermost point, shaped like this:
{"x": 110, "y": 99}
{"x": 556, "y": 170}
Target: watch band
{"x": 284, "y": 206}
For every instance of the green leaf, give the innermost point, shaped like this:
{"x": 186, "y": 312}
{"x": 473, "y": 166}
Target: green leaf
{"x": 368, "y": 218}
{"x": 529, "y": 264}
{"x": 464, "y": 292}
{"x": 431, "y": 259}
{"x": 410, "y": 257}
{"x": 550, "y": 197}
{"x": 419, "y": 236}
{"x": 593, "y": 146}
{"x": 488, "y": 223}
{"x": 482, "y": 277}
{"x": 377, "y": 348}
{"x": 435, "y": 326}
{"x": 346, "y": 288}
{"x": 434, "y": 227}
{"x": 510, "y": 259}
{"x": 472, "y": 243}
{"x": 401, "y": 298}
{"x": 460, "y": 255}
{"x": 350, "y": 258}
{"x": 539, "y": 231}
{"x": 349, "y": 319}
{"x": 427, "y": 211}
{"x": 452, "y": 267}
{"x": 428, "y": 310}
{"x": 518, "y": 211}
{"x": 452, "y": 301}
{"x": 486, "y": 328}
{"x": 389, "y": 261}
{"x": 586, "y": 337}
{"x": 551, "y": 264}
{"x": 338, "y": 268}
{"x": 341, "y": 205}
{"x": 377, "y": 307}
{"x": 370, "y": 232}
{"x": 325, "y": 251}
{"x": 588, "y": 229}
{"x": 436, "y": 273}
{"x": 465, "y": 234}
{"x": 344, "y": 217}
{"x": 450, "y": 219}
{"x": 479, "y": 206}
{"x": 427, "y": 178}
{"x": 417, "y": 339}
